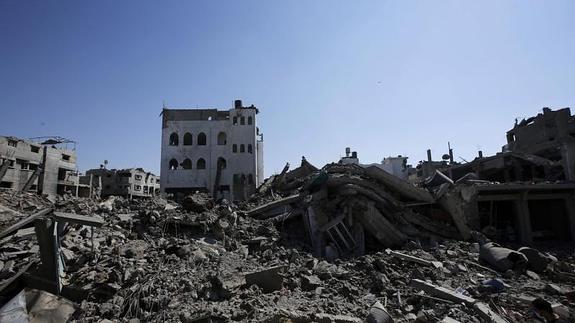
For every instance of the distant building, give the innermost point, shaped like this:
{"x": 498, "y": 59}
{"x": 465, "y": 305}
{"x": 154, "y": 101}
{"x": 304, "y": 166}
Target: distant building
{"x": 396, "y": 166}
{"x": 130, "y": 183}
{"x": 428, "y": 167}
{"x": 47, "y": 167}
{"x": 210, "y": 150}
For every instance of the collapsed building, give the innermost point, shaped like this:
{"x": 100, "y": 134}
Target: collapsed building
{"x": 208, "y": 150}
{"x": 129, "y": 182}
{"x": 549, "y": 135}
{"x": 521, "y": 195}
{"x": 46, "y": 166}
{"x": 310, "y": 245}
{"x": 524, "y": 194}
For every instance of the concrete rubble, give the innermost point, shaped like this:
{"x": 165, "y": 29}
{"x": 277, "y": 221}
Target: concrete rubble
{"x": 489, "y": 240}
{"x": 337, "y": 244}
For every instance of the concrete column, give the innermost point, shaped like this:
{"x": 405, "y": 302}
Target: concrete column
{"x": 359, "y": 237}
{"x": 47, "y": 235}
{"x": 523, "y": 220}
{"x": 568, "y": 156}
{"x": 570, "y": 207}
{"x": 311, "y": 225}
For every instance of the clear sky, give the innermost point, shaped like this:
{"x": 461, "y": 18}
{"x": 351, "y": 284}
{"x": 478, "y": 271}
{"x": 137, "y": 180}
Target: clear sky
{"x": 383, "y": 77}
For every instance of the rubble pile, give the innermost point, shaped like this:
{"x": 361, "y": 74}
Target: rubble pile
{"x": 343, "y": 209}
{"x": 265, "y": 260}
{"x": 14, "y": 207}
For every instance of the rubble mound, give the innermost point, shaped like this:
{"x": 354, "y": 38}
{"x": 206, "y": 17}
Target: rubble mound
{"x": 154, "y": 261}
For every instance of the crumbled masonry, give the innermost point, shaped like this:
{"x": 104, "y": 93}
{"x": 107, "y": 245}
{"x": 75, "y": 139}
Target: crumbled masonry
{"x": 156, "y": 261}
{"x": 489, "y": 240}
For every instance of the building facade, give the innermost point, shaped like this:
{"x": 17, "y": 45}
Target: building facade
{"x": 130, "y": 183}
{"x": 47, "y": 167}
{"x": 210, "y": 150}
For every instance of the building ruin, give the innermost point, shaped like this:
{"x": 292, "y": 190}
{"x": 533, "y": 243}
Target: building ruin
{"x": 46, "y": 165}
{"x": 129, "y": 182}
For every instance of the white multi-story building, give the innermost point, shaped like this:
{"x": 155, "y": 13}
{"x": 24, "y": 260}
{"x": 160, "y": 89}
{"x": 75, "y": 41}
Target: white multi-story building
{"x": 210, "y": 150}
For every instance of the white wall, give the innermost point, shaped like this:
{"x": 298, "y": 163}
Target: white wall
{"x": 237, "y": 163}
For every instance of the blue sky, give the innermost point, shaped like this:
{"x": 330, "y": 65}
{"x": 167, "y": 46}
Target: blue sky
{"x": 383, "y": 77}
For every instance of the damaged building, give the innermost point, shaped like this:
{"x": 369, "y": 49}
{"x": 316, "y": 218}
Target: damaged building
{"x": 45, "y": 165}
{"x": 525, "y": 193}
{"x": 520, "y": 196}
{"x": 396, "y": 166}
{"x": 210, "y": 150}
{"x": 342, "y": 243}
{"x": 129, "y": 182}
{"x": 550, "y": 135}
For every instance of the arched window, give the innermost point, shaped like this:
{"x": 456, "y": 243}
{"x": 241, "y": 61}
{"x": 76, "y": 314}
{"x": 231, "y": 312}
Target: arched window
{"x": 250, "y": 120}
{"x": 222, "y": 163}
{"x": 250, "y": 179}
{"x": 202, "y": 139}
{"x": 235, "y": 121}
{"x": 187, "y": 139}
{"x": 234, "y": 148}
{"x": 242, "y": 148}
{"x": 187, "y": 164}
{"x": 222, "y": 138}
{"x": 243, "y": 120}
{"x": 201, "y": 164}
{"x": 174, "y": 139}
{"x": 173, "y": 164}
{"x": 250, "y": 150}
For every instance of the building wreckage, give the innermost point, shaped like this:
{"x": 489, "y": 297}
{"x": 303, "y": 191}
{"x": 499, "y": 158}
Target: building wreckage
{"x": 343, "y": 243}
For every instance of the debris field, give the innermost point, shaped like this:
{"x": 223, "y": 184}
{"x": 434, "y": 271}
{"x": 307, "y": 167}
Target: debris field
{"x": 337, "y": 244}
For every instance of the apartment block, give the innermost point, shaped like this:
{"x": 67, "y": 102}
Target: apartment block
{"x": 211, "y": 150}
{"x": 44, "y": 165}
{"x": 130, "y": 183}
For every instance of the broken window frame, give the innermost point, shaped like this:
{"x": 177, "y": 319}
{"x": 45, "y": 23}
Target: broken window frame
{"x": 201, "y": 164}
{"x": 24, "y": 164}
{"x": 174, "y": 139}
{"x": 188, "y": 139}
{"x": 173, "y": 164}
{"x": 187, "y": 164}
{"x": 222, "y": 161}
{"x": 202, "y": 139}
{"x": 222, "y": 138}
